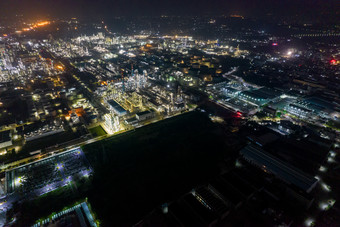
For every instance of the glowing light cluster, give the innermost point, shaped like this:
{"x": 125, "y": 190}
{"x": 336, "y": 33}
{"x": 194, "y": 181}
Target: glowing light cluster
{"x": 60, "y": 67}
{"x": 309, "y": 222}
{"x": 40, "y": 24}
{"x": 334, "y": 62}
{"x": 19, "y": 181}
{"x": 59, "y": 166}
{"x": 326, "y": 187}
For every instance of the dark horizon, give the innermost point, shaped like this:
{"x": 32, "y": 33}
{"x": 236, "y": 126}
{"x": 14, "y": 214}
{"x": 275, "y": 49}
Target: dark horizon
{"x": 318, "y": 10}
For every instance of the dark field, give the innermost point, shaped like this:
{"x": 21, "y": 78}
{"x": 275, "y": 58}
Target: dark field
{"x": 138, "y": 171}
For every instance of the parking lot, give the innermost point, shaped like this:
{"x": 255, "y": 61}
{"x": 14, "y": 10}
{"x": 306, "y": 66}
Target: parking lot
{"x": 48, "y": 174}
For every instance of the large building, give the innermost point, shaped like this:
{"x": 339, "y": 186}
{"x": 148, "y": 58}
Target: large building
{"x": 299, "y": 110}
{"x": 145, "y": 115}
{"x": 313, "y": 107}
{"x": 111, "y": 123}
{"x": 116, "y": 108}
{"x": 284, "y": 171}
{"x": 260, "y": 96}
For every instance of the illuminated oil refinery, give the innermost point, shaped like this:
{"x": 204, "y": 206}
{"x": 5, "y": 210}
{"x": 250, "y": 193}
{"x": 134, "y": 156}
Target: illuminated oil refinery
{"x": 180, "y": 120}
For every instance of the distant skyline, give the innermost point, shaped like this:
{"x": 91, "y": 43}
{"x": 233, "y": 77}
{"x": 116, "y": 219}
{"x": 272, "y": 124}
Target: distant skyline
{"x": 319, "y": 9}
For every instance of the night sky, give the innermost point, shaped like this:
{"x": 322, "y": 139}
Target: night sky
{"x": 88, "y": 8}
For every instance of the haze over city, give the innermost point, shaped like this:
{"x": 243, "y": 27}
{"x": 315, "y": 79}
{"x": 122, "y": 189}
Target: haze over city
{"x": 169, "y": 113}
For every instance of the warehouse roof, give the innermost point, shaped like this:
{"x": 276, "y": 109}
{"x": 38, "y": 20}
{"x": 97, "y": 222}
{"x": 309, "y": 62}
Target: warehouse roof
{"x": 282, "y": 170}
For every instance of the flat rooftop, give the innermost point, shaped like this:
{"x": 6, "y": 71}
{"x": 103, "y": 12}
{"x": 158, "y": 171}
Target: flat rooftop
{"x": 116, "y": 106}
{"x": 282, "y": 170}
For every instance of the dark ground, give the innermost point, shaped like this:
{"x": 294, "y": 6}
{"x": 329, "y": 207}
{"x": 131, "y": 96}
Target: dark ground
{"x": 137, "y": 171}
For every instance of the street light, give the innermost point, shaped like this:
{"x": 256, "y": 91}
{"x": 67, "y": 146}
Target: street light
{"x": 309, "y": 222}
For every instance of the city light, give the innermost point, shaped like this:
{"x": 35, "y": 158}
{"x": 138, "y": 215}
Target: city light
{"x": 333, "y": 62}
{"x": 324, "y": 206}
{"x": 326, "y": 187}
{"x": 19, "y": 181}
{"x": 322, "y": 169}
{"x": 86, "y": 173}
{"x": 60, "y": 67}
{"x": 309, "y": 222}
{"x": 238, "y": 114}
{"x": 59, "y": 166}
{"x": 79, "y": 98}
{"x": 238, "y": 164}
{"x": 330, "y": 160}
{"x": 43, "y": 23}
{"x": 68, "y": 180}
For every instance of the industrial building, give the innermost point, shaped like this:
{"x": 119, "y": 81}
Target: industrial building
{"x": 116, "y": 108}
{"x": 145, "y": 115}
{"x": 313, "y": 107}
{"x": 79, "y": 213}
{"x": 48, "y": 174}
{"x": 260, "y": 96}
{"x": 284, "y": 171}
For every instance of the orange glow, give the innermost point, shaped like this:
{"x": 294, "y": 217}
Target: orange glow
{"x": 60, "y": 67}
{"x": 236, "y": 15}
{"x": 42, "y": 23}
{"x": 80, "y": 111}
